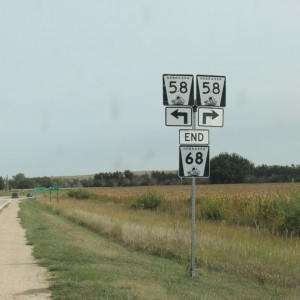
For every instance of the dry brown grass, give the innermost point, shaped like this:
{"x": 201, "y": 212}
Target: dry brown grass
{"x": 242, "y": 250}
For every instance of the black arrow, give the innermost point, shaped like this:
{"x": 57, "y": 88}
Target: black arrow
{"x": 177, "y": 114}
{"x": 212, "y": 115}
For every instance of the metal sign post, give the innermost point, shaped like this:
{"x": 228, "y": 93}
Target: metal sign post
{"x": 193, "y": 227}
{"x": 53, "y": 188}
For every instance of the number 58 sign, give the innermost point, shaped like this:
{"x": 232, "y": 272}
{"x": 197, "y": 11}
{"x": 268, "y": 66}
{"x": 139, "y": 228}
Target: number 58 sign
{"x": 178, "y": 90}
{"x": 211, "y": 90}
{"x": 193, "y": 161}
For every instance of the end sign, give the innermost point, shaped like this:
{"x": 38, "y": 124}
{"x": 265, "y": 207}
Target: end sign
{"x": 193, "y": 137}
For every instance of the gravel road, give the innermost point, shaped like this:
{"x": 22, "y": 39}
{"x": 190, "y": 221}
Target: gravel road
{"x": 20, "y": 276}
{"x": 4, "y": 201}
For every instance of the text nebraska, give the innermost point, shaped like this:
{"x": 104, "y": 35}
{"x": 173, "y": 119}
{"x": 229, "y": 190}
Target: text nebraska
{"x": 210, "y": 78}
{"x": 178, "y": 77}
{"x": 194, "y": 148}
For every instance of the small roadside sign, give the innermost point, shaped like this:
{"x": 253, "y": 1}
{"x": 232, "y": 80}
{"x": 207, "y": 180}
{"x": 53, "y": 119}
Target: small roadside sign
{"x": 178, "y": 89}
{"x": 210, "y": 117}
{"x": 211, "y": 90}
{"x": 193, "y": 137}
{"x": 193, "y": 161}
{"x": 178, "y": 116}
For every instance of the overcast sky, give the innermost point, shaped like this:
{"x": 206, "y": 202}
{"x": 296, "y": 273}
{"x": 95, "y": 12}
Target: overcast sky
{"x": 81, "y": 81}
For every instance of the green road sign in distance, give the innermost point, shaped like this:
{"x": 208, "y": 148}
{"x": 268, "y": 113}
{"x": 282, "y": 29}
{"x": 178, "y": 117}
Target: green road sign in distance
{"x": 39, "y": 189}
{"x": 53, "y": 188}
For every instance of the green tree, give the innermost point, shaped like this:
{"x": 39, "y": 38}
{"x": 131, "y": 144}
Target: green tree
{"x": 19, "y": 181}
{"x": 42, "y": 181}
{"x": 128, "y": 174}
{"x": 230, "y": 168}
{"x": 2, "y": 184}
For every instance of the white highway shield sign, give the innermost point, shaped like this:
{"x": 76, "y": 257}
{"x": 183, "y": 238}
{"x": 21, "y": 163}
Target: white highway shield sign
{"x": 210, "y": 117}
{"x": 178, "y": 90}
{"x": 193, "y": 161}
{"x": 178, "y": 116}
{"x": 211, "y": 90}
{"x": 193, "y": 137}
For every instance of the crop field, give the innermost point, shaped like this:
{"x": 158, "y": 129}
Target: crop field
{"x": 247, "y": 230}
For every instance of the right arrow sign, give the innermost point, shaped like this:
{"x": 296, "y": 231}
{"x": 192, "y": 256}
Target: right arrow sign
{"x": 210, "y": 117}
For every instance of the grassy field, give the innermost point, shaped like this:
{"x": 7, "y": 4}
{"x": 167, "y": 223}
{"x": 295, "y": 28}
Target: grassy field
{"x": 84, "y": 265}
{"x": 265, "y": 261}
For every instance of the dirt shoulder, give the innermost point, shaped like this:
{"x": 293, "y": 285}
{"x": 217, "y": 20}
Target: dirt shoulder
{"x": 20, "y": 276}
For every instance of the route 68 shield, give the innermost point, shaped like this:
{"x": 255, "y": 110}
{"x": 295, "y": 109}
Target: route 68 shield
{"x": 193, "y": 161}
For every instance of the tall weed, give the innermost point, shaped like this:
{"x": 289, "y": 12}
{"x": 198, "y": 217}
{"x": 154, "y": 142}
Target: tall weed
{"x": 277, "y": 213}
{"x": 150, "y": 200}
{"x": 292, "y": 215}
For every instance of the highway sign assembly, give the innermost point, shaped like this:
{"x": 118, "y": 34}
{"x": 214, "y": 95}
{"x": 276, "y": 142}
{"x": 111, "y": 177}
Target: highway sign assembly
{"x": 193, "y": 137}
{"x": 178, "y": 90}
{"x": 211, "y": 90}
{"x": 210, "y": 116}
{"x": 178, "y": 116}
{"x": 183, "y": 110}
{"x": 193, "y": 161}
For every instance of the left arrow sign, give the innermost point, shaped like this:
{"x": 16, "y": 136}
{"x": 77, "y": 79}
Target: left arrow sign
{"x": 178, "y": 116}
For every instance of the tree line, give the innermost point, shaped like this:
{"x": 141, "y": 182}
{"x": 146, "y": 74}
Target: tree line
{"x": 224, "y": 168}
